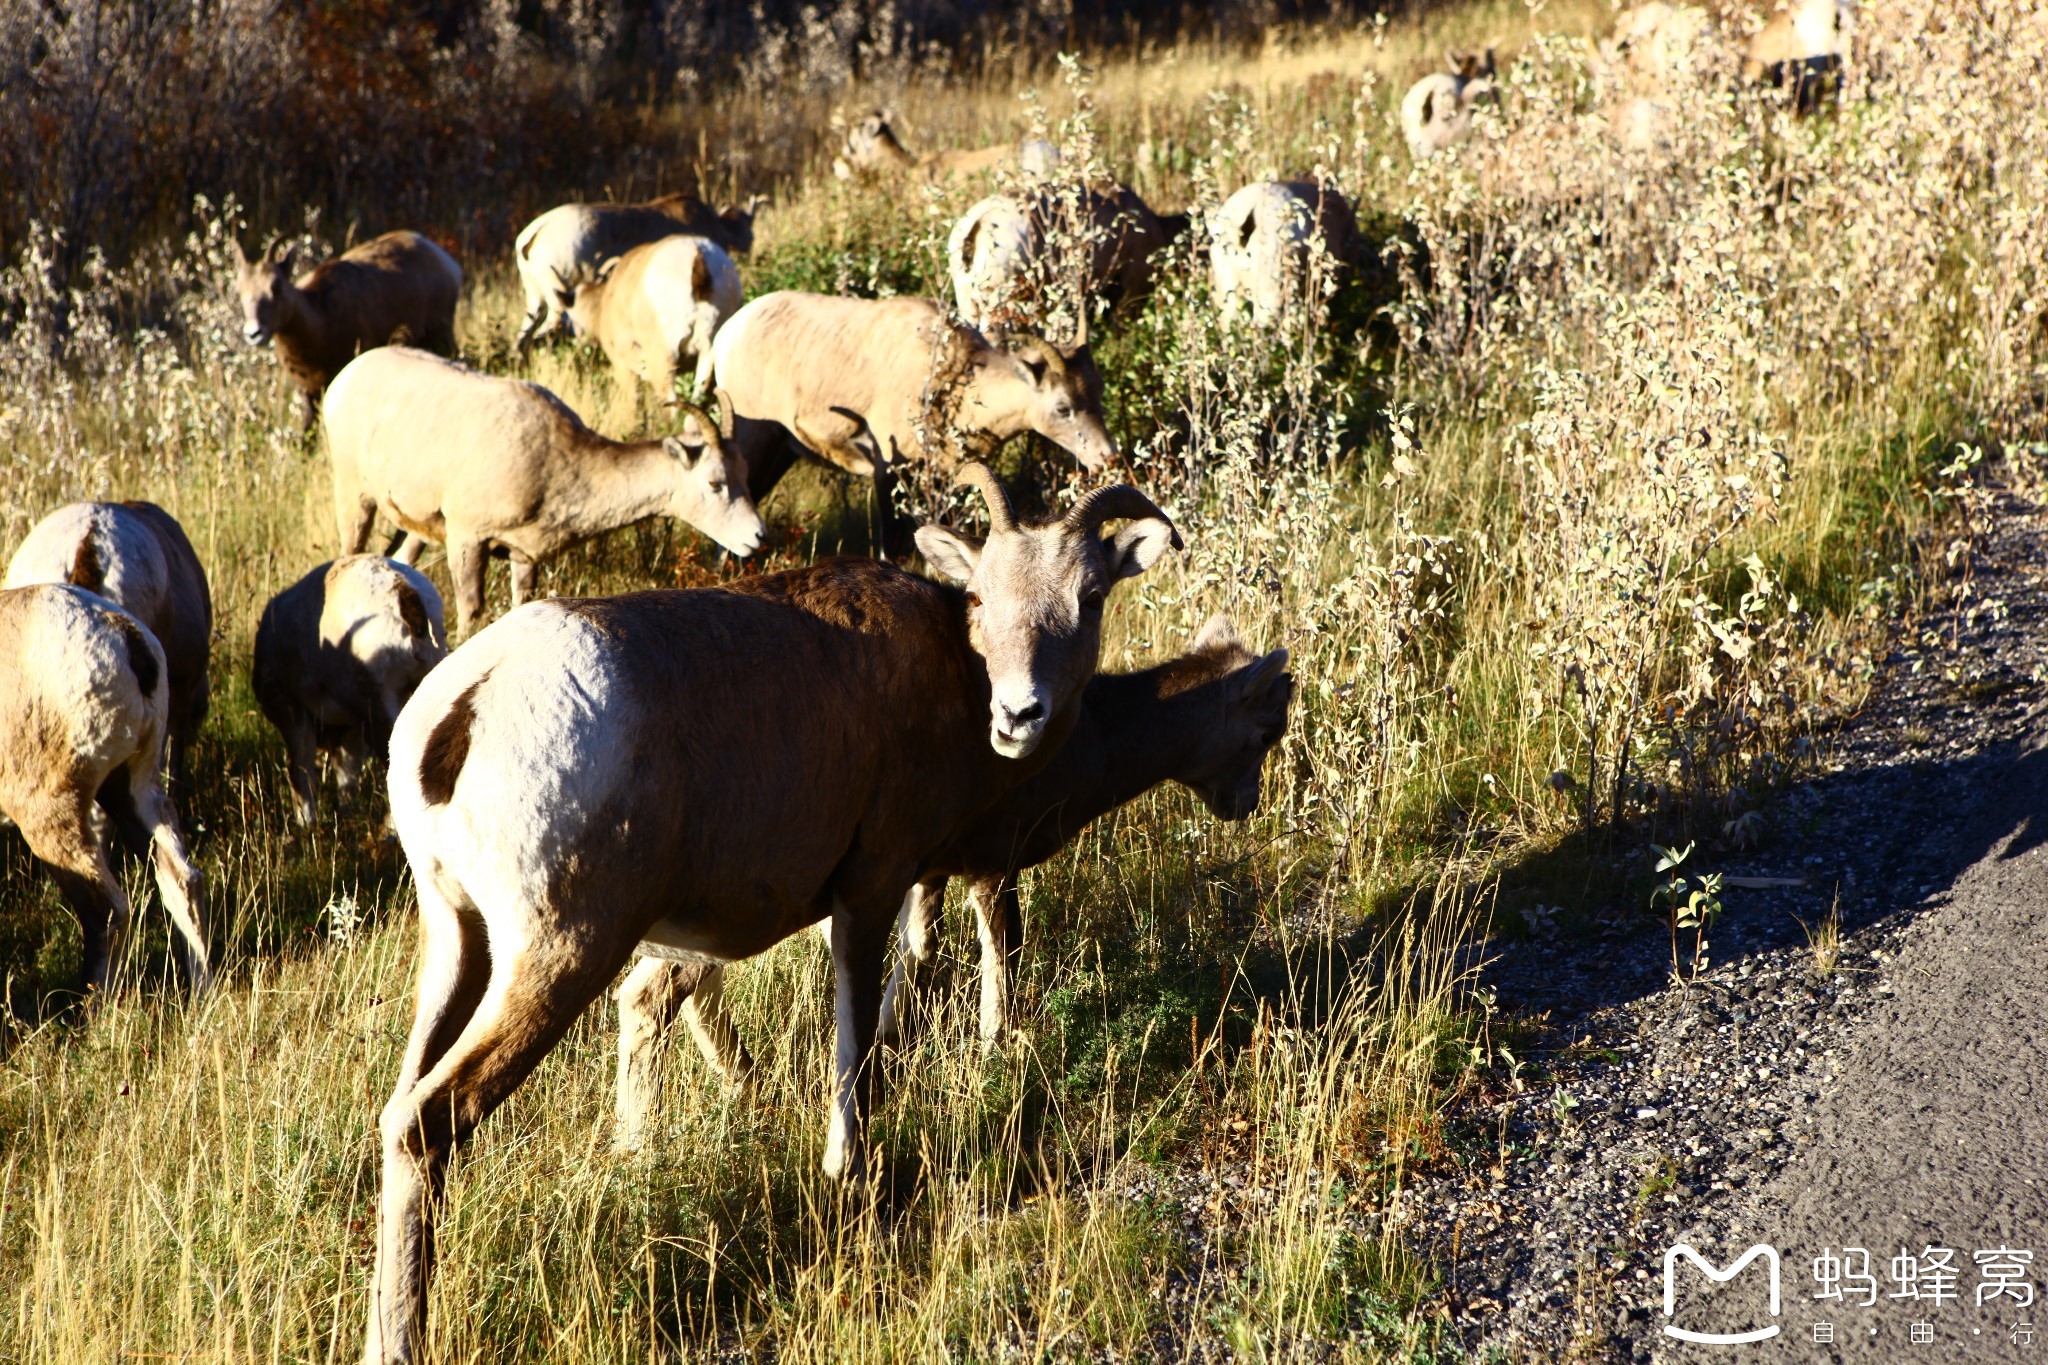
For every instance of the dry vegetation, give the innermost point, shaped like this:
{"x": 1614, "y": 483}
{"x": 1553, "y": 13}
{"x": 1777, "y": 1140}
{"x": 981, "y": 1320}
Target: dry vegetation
{"x": 1580, "y": 508}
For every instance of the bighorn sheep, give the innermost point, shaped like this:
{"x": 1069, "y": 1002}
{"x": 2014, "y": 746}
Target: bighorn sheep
{"x": 868, "y": 383}
{"x": 1260, "y": 242}
{"x": 1437, "y": 110}
{"x": 490, "y": 465}
{"x": 136, "y": 556}
{"x": 997, "y": 245}
{"x": 337, "y": 654}
{"x": 565, "y": 246}
{"x": 398, "y": 287}
{"x": 658, "y": 306}
{"x": 707, "y": 772}
{"x": 1206, "y": 720}
{"x": 1801, "y": 49}
{"x": 83, "y": 703}
{"x": 872, "y": 148}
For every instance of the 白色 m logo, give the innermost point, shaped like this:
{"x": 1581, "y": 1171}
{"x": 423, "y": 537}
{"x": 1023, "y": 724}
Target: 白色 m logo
{"x": 1769, "y": 1256}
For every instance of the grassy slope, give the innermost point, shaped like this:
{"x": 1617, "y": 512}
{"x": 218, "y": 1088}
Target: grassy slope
{"x": 200, "y": 1181}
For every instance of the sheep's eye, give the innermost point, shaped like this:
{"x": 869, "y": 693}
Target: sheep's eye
{"x": 1092, "y": 600}
{"x": 974, "y": 601}
{"x": 718, "y": 485}
{"x": 1066, "y": 410}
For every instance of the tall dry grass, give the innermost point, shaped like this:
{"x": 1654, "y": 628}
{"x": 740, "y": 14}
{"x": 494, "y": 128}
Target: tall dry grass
{"x": 1580, "y": 505}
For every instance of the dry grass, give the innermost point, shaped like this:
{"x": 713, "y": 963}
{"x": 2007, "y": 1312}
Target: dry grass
{"x": 1613, "y": 474}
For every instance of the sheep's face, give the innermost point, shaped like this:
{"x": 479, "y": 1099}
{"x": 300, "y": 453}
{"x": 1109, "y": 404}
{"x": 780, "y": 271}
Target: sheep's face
{"x": 264, "y": 285}
{"x": 866, "y": 141}
{"x": 1034, "y": 605}
{"x": 1066, "y": 400}
{"x": 1226, "y": 770}
{"x": 710, "y": 491}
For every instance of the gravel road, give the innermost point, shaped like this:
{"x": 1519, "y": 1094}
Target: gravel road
{"x": 1875, "y": 1119}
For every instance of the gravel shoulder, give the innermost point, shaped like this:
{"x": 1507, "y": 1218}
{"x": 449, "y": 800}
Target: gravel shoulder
{"x": 1886, "y": 1099}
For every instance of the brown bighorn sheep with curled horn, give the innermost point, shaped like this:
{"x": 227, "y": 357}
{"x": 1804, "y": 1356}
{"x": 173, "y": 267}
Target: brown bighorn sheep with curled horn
{"x": 702, "y": 774}
{"x": 1206, "y": 720}
{"x": 398, "y": 287}
{"x": 491, "y": 465}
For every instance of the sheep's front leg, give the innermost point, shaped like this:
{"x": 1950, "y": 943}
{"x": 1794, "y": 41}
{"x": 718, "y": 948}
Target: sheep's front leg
{"x": 466, "y": 563}
{"x": 859, "y": 942}
{"x": 302, "y": 765}
{"x": 999, "y": 919}
{"x": 917, "y": 943}
{"x": 523, "y": 571}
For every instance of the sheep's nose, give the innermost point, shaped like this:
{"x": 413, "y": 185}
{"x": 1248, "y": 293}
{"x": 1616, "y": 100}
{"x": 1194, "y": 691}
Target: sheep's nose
{"x": 1017, "y": 729}
{"x": 256, "y": 335}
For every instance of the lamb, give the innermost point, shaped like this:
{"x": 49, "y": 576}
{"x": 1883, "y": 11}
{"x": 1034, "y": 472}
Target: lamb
{"x": 1801, "y": 49}
{"x": 565, "y": 247}
{"x": 1436, "y": 113}
{"x": 489, "y": 465}
{"x": 868, "y": 383}
{"x": 658, "y": 306}
{"x": 703, "y": 773}
{"x": 337, "y": 654}
{"x": 1260, "y": 243}
{"x": 872, "y": 148}
{"x": 136, "y": 556}
{"x": 84, "y": 704}
{"x": 1207, "y": 720}
{"x": 398, "y": 287}
{"x": 996, "y": 247}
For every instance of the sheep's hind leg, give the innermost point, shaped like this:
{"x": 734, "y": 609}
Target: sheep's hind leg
{"x": 148, "y": 820}
{"x": 534, "y": 992}
{"x": 999, "y": 918}
{"x": 60, "y": 833}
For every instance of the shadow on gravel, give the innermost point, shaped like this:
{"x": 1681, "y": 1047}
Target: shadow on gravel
{"x": 1878, "y": 843}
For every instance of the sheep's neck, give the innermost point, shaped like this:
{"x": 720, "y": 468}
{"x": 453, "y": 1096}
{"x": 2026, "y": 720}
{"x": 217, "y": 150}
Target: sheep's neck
{"x": 1129, "y": 739}
{"x": 997, "y": 402}
{"x": 621, "y": 482}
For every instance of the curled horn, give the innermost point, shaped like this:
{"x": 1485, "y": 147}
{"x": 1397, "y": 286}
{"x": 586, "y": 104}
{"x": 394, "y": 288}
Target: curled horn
{"x": 978, "y": 476}
{"x": 1081, "y": 318}
{"x": 270, "y": 248}
{"x": 1117, "y": 501}
{"x": 1030, "y": 343}
{"x": 712, "y": 431}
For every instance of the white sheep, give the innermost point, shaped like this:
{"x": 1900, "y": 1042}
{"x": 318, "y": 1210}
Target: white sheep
{"x": 1260, "y": 243}
{"x": 485, "y": 464}
{"x": 656, "y": 308}
{"x": 1436, "y": 113}
{"x": 83, "y": 712}
{"x": 337, "y": 654}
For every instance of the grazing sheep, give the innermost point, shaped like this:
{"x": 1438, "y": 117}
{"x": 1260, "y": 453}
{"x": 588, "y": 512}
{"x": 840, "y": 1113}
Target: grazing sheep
{"x": 995, "y": 248}
{"x": 1259, "y": 242}
{"x": 489, "y": 465}
{"x": 1801, "y": 50}
{"x": 872, "y": 149}
{"x": 565, "y": 246}
{"x": 705, "y": 773}
{"x": 1653, "y": 44}
{"x": 1437, "y": 110}
{"x": 83, "y": 703}
{"x": 398, "y": 287}
{"x": 868, "y": 383}
{"x": 658, "y": 306}
{"x": 337, "y": 654}
{"x": 136, "y": 556}
{"x": 1206, "y": 720}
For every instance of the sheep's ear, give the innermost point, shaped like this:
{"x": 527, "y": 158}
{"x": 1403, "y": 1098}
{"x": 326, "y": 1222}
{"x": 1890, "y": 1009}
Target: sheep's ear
{"x": 1137, "y": 547}
{"x": 1035, "y": 366}
{"x": 1257, "y": 682}
{"x": 682, "y": 451}
{"x": 1454, "y": 60}
{"x": 241, "y": 256}
{"x": 951, "y": 555}
{"x": 1218, "y": 632}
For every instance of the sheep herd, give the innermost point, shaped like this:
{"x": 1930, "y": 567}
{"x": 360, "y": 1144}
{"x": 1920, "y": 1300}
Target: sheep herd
{"x": 658, "y": 784}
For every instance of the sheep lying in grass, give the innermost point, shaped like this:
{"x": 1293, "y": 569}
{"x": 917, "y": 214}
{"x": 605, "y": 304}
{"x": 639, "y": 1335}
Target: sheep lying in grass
{"x": 490, "y": 465}
{"x": 83, "y": 709}
{"x": 1206, "y": 720}
{"x": 872, "y": 148}
{"x": 657, "y": 308}
{"x": 866, "y": 384}
{"x": 1260, "y": 243}
{"x": 398, "y": 287}
{"x": 565, "y": 246}
{"x": 1801, "y": 50}
{"x": 136, "y": 556}
{"x": 1436, "y": 113}
{"x": 337, "y": 654}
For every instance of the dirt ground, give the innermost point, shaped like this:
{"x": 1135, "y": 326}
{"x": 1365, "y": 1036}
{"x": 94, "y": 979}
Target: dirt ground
{"x": 1875, "y": 1120}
